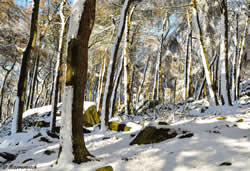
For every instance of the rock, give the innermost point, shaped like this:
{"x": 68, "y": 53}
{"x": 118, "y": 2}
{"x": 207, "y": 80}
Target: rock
{"x": 41, "y": 124}
{"x": 132, "y": 135}
{"x": 222, "y": 118}
{"x": 58, "y": 129}
{"x": 146, "y": 104}
{"x": 203, "y": 110}
{"x": 52, "y": 135}
{"x": 106, "y": 138}
{"x": 58, "y": 113}
{"x": 226, "y": 164}
{"x": 240, "y": 120}
{"x": 91, "y": 117}
{"x": 25, "y": 161}
{"x": 86, "y": 131}
{"x": 162, "y": 123}
{"x": 105, "y": 168}
{"x": 117, "y": 126}
{"x": 152, "y": 134}
{"x": 188, "y": 135}
{"x": 37, "y": 135}
{"x": 8, "y": 156}
{"x": 48, "y": 152}
{"x": 44, "y": 139}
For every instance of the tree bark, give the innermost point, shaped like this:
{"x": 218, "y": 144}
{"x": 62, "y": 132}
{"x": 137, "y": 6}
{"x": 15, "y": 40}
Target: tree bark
{"x": 22, "y": 82}
{"x": 158, "y": 73}
{"x": 225, "y": 91}
{"x": 117, "y": 80}
{"x": 34, "y": 79}
{"x": 127, "y": 84}
{"x": 242, "y": 51}
{"x": 207, "y": 72}
{"x": 204, "y": 79}
{"x": 236, "y": 55}
{"x": 81, "y": 25}
{"x": 2, "y": 91}
{"x": 111, "y": 68}
{"x": 58, "y": 67}
{"x": 143, "y": 80}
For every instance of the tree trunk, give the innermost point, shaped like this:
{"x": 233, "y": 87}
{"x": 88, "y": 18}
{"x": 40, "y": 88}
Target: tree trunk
{"x": 158, "y": 75}
{"x": 242, "y": 51}
{"x": 34, "y": 79}
{"x": 52, "y": 85}
{"x": 186, "y": 68}
{"x": 127, "y": 85}
{"x": 225, "y": 91}
{"x": 103, "y": 78}
{"x": 207, "y": 72}
{"x": 236, "y": 55}
{"x": 22, "y": 82}
{"x": 204, "y": 79}
{"x": 58, "y": 67}
{"x": 111, "y": 68}
{"x": 2, "y": 91}
{"x": 190, "y": 56}
{"x": 30, "y": 87}
{"x": 113, "y": 97}
{"x": 143, "y": 80}
{"x": 98, "y": 99}
{"x": 72, "y": 139}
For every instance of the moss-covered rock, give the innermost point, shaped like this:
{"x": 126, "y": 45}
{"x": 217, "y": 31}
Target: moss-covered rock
{"x": 41, "y": 124}
{"x": 240, "y": 120}
{"x": 162, "y": 123}
{"x": 105, "y": 168}
{"x": 222, "y": 118}
{"x": 152, "y": 134}
{"x": 117, "y": 126}
{"x": 91, "y": 117}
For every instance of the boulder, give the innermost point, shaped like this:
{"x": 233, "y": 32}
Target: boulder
{"x": 152, "y": 134}
{"x": 8, "y": 156}
{"x": 48, "y": 152}
{"x": 105, "y": 168}
{"x": 91, "y": 117}
{"x": 44, "y": 139}
{"x": 117, "y": 126}
{"x": 27, "y": 160}
{"x": 41, "y": 124}
{"x": 146, "y": 104}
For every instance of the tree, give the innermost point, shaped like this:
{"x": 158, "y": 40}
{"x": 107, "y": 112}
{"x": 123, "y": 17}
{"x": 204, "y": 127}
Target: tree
{"x": 2, "y": 90}
{"x": 22, "y": 82}
{"x": 188, "y": 59}
{"x": 158, "y": 71}
{"x": 207, "y": 72}
{"x": 111, "y": 67}
{"x": 80, "y": 27}
{"x": 225, "y": 91}
{"x": 58, "y": 66}
{"x": 127, "y": 84}
{"x": 242, "y": 51}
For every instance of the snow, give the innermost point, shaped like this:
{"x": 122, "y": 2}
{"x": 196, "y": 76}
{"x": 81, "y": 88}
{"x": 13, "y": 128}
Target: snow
{"x": 14, "y": 121}
{"x": 215, "y": 141}
{"x": 76, "y": 14}
{"x": 66, "y": 130}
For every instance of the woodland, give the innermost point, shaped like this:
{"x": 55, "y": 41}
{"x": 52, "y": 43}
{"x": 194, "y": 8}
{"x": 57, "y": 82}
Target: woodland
{"x": 125, "y": 85}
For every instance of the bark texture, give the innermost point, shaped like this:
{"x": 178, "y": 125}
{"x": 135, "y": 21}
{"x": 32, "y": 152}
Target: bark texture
{"x": 22, "y": 82}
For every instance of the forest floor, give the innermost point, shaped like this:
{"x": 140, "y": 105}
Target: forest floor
{"x": 220, "y": 141}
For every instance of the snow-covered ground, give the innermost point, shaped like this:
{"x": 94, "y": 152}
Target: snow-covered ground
{"x": 221, "y": 135}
